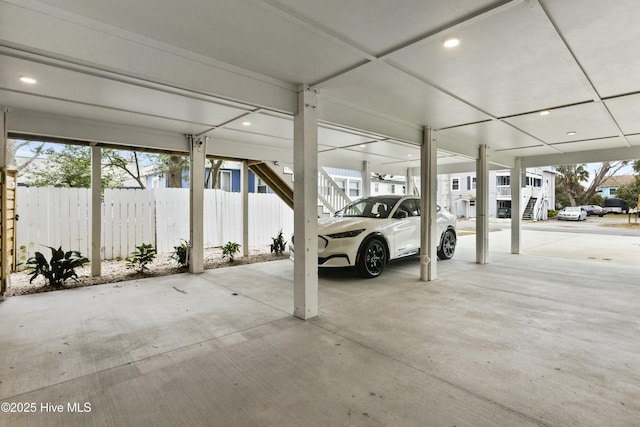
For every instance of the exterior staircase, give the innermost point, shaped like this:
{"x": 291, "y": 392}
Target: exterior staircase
{"x": 331, "y": 198}
{"x": 274, "y": 181}
{"x": 528, "y": 210}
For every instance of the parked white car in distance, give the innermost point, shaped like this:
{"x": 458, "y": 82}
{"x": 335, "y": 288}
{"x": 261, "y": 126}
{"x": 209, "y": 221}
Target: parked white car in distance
{"x": 573, "y": 213}
{"x": 369, "y": 232}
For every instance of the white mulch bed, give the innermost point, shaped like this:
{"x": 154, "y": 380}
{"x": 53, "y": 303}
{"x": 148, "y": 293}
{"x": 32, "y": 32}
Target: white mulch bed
{"x": 116, "y": 271}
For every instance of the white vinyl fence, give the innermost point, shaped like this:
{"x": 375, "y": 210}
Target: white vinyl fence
{"x": 61, "y": 217}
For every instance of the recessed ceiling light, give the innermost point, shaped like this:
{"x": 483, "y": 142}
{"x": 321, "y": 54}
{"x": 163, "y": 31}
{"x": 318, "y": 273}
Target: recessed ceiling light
{"x": 571, "y": 133}
{"x": 545, "y": 113}
{"x": 409, "y": 155}
{"x": 451, "y": 42}
{"x": 28, "y": 80}
{"x": 363, "y": 145}
{"x": 246, "y": 123}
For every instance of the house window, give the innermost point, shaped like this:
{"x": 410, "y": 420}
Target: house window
{"x": 262, "y": 187}
{"x": 473, "y": 183}
{"x": 342, "y": 183}
{"x": 455, "y": 184}
{"x": 393, "y": 189}
{"x": 354, "y": 188}
{"x": 376, "y": 188}
{"x": 503, "y": 180}
{"x": 224, "y": 180}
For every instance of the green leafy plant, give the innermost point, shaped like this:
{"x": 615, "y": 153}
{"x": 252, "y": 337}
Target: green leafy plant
{"x": 181, "y": 254}
{"x": 230, "y": 250}
{"x": 58, "y": 269}
{"x": 279, "y": 244}
{"x": 143, "y": 255}
{"x": 552, "y": 213}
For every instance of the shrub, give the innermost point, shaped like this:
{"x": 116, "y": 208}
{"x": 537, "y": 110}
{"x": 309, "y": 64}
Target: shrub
{"x": 56, "y": 271}
{"x": 551, "y": 213}
{"x": 139, "y": 258}
{"x": 230, "y": 250}
{"x": 279, "y": 244}
{"x": 181, "y": 254}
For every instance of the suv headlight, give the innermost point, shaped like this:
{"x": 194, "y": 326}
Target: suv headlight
{"x": 352, "y": 233}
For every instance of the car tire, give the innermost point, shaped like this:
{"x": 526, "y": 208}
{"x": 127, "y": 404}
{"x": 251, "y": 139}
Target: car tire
{"x": 372, "y": 257}
{"x": 448, "y": 245}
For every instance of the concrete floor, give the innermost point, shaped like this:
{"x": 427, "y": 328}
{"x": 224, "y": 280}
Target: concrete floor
{"x": 524, "y": 341}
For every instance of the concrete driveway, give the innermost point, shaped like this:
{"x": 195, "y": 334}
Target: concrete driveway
{"x": 526, "y": 340}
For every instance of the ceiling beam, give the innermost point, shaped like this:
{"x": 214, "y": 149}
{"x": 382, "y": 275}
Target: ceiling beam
{"x": 71, "y": 128}
{"x": 593, "y": 156}
{"x": 53, "y": 36}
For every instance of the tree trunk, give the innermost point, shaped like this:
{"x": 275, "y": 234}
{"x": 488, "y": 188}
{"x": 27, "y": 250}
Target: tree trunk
{"x": 214, "y": 168}
{"x": 175, "y": 172}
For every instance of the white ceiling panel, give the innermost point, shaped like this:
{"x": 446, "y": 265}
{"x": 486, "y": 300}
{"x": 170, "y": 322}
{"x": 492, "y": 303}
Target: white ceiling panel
{"x": 537, "y": 150}
{"x": 98, "y": 114}
{"x": 596, "y": 144}
{"x": 336, "y": 138}
{"x": 495, "y": 134}
{"x": 249, "y": 34}
{"x": 239, "y": 137}
{"x": 388, "y": 149}
{"x": 626, "y": 111}
{"x": 634, "y": 140}
{"x": 605, "y": 37}
{"x": 93, "y": 91}
{"x": 382, "y": 88}
{"x": 378, "y": 28}
{"x": 520, "y": 63}
{"x": 265, "y": 124}
{"x": 588, "y": 121}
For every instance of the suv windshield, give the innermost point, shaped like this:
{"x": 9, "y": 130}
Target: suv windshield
{"x": 369, "y": 208}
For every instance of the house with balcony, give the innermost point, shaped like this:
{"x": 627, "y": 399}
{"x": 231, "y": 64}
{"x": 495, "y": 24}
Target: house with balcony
{"x": 457, "y": 192}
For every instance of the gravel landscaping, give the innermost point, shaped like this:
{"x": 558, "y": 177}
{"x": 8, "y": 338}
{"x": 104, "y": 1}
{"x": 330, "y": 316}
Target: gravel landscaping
{"x": 116, "y": 271}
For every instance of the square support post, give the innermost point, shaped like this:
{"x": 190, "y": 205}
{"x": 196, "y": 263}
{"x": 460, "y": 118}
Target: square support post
{"x": 305, "y": 212}
{"x": 96, "y": 210}
{"x": 366, "y": 179}
{"x": 482, "y": 206}
{"x": 245, "y": 208}
{"x": 197, "y": 158}
{"x": 428, "y": 202}
{"x": 515, "y": 181}
{"x": 4, "y": 263}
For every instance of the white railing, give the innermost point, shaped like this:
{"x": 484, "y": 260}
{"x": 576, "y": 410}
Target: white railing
{"x": 503, "y": 191}
{"x": 540, "y": 208}
{"x": 330, "y": 194}
{"x": 61, "y": 217}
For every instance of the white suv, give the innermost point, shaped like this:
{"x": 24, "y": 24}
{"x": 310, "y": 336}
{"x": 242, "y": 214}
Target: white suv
{"x": 369, "y": 232}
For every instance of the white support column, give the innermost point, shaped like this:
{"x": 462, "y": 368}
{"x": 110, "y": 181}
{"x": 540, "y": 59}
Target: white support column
{"x": 428, "y": 202}
{"x": 408, "y": 186}
{"x": 245, "y": 208}
{"x": 366, "y": 179}
{"x": 197, "y": 151}
{"x": 96, "y": 210}
{"x": 5, "y": 277}
{"x": 482, "y": 206}
{"x": 305, "y": 213}
{"x": 516, "y": 208}
{"x": 4, "y": 120}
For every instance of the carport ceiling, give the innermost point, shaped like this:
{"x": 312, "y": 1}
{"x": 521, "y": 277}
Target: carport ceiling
{"x": 147, "y": 72}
